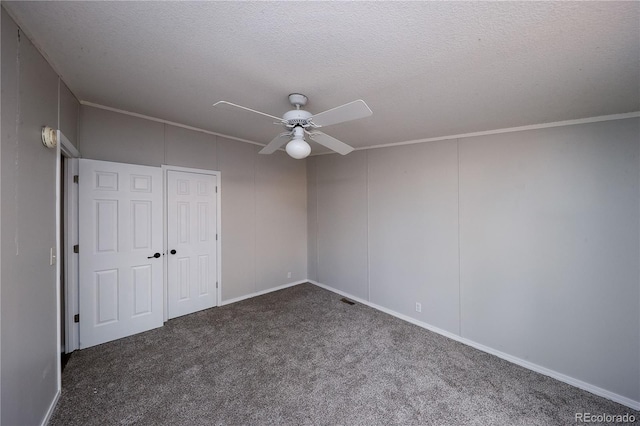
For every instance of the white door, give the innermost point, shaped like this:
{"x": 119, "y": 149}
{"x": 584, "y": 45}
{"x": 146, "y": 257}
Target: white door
{"x": 191, "y": 239}
{"x": 120, "y": 241}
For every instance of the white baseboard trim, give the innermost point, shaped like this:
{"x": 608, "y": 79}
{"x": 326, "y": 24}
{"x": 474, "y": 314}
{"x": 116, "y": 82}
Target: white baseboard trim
{"x": 515, "y": 360}
{"x": 260, "y": 293}
{"x": 52, "y": 408}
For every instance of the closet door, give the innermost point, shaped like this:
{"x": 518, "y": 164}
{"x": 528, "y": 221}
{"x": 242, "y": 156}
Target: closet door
{"x": 120, "y": 250}
{"x": 191, "y": 238}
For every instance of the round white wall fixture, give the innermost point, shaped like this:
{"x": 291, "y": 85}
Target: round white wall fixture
{"x": 49, "y": 137}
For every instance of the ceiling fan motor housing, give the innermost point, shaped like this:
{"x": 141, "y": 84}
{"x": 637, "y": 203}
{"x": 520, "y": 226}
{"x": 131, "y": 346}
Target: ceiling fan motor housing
{"x": 297, "y": 117}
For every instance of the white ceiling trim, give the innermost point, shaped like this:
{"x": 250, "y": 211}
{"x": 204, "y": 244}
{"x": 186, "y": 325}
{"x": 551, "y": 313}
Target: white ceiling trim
{"x": 587, "y": 120}
{"x": 172, "y": 123}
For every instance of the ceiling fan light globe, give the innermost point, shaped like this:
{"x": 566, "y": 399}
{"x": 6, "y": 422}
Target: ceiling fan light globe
{"x": 298, "y": 149}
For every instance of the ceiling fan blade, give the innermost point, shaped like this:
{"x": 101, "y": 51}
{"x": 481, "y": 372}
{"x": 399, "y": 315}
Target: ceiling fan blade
{"x": 276, "y": 143}
{"x": 223, "y": 103}
{"x": 331, "y": 143}
{"x": 347, "y": 112}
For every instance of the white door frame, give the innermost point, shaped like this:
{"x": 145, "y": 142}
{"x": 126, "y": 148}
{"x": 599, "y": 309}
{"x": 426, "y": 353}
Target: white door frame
{"x": 165, "y": 170}
{"x": 71, "y": 303}
{"x": 66, "y": 149}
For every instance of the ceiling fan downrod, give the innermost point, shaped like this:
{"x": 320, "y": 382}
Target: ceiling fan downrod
{"x": 298, "y": 100}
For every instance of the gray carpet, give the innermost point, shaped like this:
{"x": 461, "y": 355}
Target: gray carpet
{"x": 300, "y": 356}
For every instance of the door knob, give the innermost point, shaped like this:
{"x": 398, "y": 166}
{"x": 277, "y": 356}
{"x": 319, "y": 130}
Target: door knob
{"x": 173, "y": 252}
{"x": 157, "y": 255}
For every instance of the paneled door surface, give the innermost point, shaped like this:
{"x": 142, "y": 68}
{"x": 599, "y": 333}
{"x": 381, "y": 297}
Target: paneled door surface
{"x": 192, "y": 257}
{"x": 120, "y": 250}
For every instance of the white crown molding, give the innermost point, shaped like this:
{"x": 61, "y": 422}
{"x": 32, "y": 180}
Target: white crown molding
{"x": 171, "y": 123}
{"x": 505, "y": 130}
{"x": 587, "y": 120}
{"x": 514, "y": 129}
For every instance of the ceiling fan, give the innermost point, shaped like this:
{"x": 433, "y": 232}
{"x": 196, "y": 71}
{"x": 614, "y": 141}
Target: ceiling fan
{"x": 300, "y": 123}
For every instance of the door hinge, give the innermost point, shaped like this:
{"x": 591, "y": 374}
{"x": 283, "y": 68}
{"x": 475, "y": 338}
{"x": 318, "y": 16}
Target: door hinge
{"x": 216, "y": 189}
{"x": 216, "y": 237}
{"x": 76, "y": 318}
{"x": 75, "y": 178}
{"x": 76, "y": 248}
{"x": 216, "y": 284}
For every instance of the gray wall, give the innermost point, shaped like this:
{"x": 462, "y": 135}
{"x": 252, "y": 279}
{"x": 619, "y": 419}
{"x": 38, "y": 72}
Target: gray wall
{"x": 525, "y": 242}
{"x": 29, "y": 347}
{"x": 549, "y": 249}
{"x": 263, "y": 198}
{"x": 341, "y": 191}
{"x": 312, "y": 221}
{"x": 413, "y": 237}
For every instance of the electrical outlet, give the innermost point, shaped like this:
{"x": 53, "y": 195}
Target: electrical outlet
{"x": 418, "y": 307}
{"x": 288, "y": 274}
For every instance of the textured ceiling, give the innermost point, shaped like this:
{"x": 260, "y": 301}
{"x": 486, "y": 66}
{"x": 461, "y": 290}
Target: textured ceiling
{"x": 426, "y": 69}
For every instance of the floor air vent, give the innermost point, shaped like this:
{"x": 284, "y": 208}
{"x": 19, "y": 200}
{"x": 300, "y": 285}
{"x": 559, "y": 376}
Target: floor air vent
{"x": 347, "y": 301}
